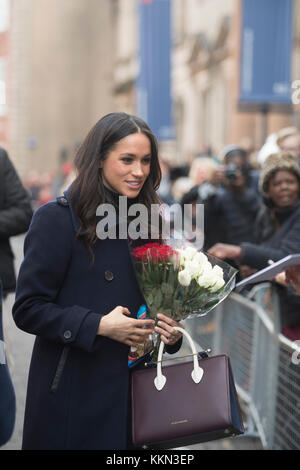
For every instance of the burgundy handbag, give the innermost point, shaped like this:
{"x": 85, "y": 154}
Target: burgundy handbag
{"x": 189, "y": 403}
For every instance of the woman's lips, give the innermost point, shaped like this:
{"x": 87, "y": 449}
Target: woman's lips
{"x": 134, "y": 184}
{"x": 285, "y": 197}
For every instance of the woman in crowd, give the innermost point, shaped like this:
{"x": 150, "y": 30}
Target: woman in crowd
{"x": 78, "y": 294}
{"x": 276, "y": 230}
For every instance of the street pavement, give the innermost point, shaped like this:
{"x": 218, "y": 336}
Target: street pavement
{"x": 18, "y": 350}
{"x": 19, "y": 347}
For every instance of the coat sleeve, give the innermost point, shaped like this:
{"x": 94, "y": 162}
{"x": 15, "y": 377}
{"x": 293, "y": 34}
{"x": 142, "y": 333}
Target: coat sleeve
{"x": 47, "y": 253}
{"x": 16, "y": 213}
{"x": 258, "y": 256}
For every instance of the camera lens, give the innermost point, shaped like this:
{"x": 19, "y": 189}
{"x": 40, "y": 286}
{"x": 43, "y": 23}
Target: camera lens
{"x": 231, "y": 172}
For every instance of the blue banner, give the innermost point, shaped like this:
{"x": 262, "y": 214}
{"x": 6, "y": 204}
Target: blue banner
{"x": 266, "y": 51}
{"x": 154, "y": 103}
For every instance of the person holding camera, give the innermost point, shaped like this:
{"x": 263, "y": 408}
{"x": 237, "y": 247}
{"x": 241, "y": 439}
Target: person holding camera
{"x": 231, "y": 207}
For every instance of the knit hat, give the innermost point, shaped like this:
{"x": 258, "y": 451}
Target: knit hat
{"x": 276, "y": 162}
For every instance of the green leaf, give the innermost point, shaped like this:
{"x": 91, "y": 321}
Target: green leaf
{"x": 158, "y": 298}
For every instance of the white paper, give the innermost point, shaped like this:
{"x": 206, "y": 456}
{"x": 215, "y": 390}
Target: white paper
{"x": 271, "y": 271}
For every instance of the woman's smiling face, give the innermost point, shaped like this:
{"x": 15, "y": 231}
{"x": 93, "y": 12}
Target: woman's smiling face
{"x": 283, "y": 189}
{"x": 127, "y": 165}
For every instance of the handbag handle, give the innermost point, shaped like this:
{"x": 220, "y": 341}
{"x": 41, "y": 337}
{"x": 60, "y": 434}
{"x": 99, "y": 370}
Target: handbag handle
{"x": 197, "y": 372}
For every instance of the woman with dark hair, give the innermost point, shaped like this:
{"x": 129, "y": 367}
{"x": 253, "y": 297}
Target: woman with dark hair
{"x": 276, "y": 232}
{"x": 78, "y": 294}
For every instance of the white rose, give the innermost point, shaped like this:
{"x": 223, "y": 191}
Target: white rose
{"x": 218, "y": 271}
{"x": 195, "y": 267}
{"x": 217, "y": 285}
{"x": 206, "y": 278}
{"x": 184, "y": 277}
{"x": 181, "y": 257}
{"x": 201, "y": 257}
{"x": 194, "y": 264}
{"x": 200, "y": 264}
{"x": 189, "y": 253}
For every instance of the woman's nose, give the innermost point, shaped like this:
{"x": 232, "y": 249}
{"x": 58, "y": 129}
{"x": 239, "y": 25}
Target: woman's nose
{"x": 284, "y": 185}
{"x": 137, "y": 170}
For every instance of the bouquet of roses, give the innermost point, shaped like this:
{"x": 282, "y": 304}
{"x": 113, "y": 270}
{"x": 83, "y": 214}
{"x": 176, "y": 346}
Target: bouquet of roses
{"x": 181, "y": 282}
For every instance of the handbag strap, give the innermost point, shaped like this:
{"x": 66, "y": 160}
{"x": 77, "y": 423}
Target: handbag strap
{"x": 197, "y": 372}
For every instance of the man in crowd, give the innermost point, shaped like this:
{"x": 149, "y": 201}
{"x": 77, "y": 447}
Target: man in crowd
{"x": 15, "y": 217}
{"x": 230, "y": 208}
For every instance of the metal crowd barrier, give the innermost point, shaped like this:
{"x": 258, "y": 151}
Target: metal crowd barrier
{"x": 266, "y": 365}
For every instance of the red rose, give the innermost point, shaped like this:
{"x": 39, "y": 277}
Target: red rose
{"x": 154, "y": 252}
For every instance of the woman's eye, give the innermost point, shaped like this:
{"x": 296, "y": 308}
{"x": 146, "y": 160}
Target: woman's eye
{"x": 127, "y": 160}
{"x": 147, "y": 161}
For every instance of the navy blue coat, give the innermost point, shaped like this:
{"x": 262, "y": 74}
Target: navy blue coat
{"x": 78, "y": 388}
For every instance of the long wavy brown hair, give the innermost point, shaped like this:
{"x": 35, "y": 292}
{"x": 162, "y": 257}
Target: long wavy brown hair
{"x": 87, "y": 191}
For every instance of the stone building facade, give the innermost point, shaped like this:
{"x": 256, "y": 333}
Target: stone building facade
{"x": 61, "y": 77}
{"x": 68, "y": 62}
{"x": 205, "y": 76}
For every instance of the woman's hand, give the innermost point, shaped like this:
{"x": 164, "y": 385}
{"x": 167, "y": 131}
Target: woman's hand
{"x": 281, "y": 279}
{"x": 246, "y": 271}
{"x": 222, "y": 251}
{"x": 293, "y": 277}
{"x": 165, "y": 327}
{"x": 116, "y": 325}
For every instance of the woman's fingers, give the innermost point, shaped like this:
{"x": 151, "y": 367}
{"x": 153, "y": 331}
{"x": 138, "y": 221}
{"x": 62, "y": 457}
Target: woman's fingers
{"x": 118, "y": 326}
{"x": 165, "y": 327}
{"x": 168, "y": 320}
{"x": 138, "y": 323}
{"x": 144, "y": 323}
{"x": 169, "y": 339}
{"x": 125, "y": 310}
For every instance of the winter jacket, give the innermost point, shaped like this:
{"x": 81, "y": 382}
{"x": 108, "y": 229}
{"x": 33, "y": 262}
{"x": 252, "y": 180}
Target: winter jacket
{"x": 228, "y": 216}
{"x": 15, "y": 216}
{"x": 272, "y": 245}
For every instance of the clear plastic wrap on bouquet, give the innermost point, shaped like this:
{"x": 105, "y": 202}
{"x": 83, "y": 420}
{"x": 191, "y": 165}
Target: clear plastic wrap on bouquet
{"x": 180, "y": 281}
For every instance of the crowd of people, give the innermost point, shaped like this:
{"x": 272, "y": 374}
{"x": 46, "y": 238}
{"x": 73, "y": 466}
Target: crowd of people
{"x": 46, "y": 186}
{"x": 79, "y": 300}
{"x": 251, "y": 208}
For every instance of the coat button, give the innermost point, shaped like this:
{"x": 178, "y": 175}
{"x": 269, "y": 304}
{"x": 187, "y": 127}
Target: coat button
{"x": 109, "y": 275}
{"x": 67, "y": 334}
